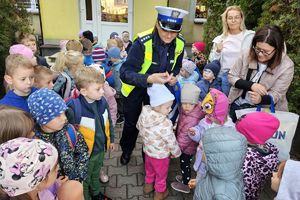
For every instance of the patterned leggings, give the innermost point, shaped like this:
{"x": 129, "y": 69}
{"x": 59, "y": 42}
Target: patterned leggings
{"x": 185, "y": 166}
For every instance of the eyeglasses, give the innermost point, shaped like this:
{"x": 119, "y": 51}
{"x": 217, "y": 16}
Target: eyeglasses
{"x": 265, "y": 53}
{"x": 234, "y": 18}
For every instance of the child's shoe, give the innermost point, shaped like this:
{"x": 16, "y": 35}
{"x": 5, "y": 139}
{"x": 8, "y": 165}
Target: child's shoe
{"x": 161, "y": 195}
{"x": 148, "y": 188}
{"x": 180, "y": 187}
{"x": 103, "y": 176}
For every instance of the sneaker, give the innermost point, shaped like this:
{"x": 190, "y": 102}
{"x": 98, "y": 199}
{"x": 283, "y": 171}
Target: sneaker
{"x": 178, "y": 178}
{"x": 120, "y": 120}
{"x": 103, "y": 176}
{"x": 180, "y": 187}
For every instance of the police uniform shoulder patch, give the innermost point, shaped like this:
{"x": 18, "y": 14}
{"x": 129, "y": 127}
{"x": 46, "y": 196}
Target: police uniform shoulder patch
{"x": 145, "y": 38}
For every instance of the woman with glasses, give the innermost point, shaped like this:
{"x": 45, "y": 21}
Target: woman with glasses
{"x": 234, "y": 39}
{"x": 262, "y": 74}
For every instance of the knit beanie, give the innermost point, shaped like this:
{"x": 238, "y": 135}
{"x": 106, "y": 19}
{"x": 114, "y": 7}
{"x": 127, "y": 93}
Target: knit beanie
{"x": 257, "y": 127}
{"x": 200, "y": 46}
{"x": 214, "y": 66}
{"x": 114, "y": 52}
{"x": 190, "y": 93}
{"x": 21, "y": 49}
{"x": 188, "y": 65}
{"x": 159, "y": 94}
{"x": 216, "y": 105}
{"x": 45, "y": 105}
{"x": 25, "y": 163}
{"x": 113, "y": 35}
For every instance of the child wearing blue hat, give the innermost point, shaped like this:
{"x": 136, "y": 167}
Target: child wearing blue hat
{"x": 211, "y": 80}
{"x": 48, "y": 110}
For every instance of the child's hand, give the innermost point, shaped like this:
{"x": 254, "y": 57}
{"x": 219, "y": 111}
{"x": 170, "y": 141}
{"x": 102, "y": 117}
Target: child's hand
{"x": 192, "y": 183}
{"x": 62, "y": 179}
{"x": 192, "y": 131}
{"x": 112, "y": 147}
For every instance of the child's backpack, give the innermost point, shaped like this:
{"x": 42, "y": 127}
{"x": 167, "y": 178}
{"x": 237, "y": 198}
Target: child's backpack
{"x": 87, "y": 132}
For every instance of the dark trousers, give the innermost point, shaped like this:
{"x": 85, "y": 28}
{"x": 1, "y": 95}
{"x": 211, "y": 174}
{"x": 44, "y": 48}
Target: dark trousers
{"x": 185, "y": 166}
{"x": 132, "y": 106}
{"x": 120, "y": 106}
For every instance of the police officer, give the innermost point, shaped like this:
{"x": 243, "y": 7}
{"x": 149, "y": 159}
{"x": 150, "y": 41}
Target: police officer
{"x": 155, "y": 57}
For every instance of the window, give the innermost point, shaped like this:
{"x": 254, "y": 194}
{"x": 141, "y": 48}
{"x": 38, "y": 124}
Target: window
{"x": 88, "y": 11}
{"x": 114, "y": 11}
{"x": 200, "y": 12}
{"x": 29, "y": 5}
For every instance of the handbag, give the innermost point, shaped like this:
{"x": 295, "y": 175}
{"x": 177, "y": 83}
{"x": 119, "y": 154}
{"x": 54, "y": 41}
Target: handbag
{"x": 283, "y": 137}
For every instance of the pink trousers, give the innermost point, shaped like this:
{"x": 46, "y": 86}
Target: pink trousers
{"x": 157, "y": 172}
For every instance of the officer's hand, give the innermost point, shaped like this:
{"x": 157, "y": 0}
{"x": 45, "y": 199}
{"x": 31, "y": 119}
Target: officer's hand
{"x": 161, "y": 78}
{"x": 173, "y": 80}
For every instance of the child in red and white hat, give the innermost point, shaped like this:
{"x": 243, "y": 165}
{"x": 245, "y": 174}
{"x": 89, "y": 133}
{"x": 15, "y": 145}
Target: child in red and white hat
{"x": 199, "y": 58}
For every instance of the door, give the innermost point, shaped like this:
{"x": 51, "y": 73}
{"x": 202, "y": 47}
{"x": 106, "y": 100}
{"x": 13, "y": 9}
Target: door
{"x": 103, "y": 17}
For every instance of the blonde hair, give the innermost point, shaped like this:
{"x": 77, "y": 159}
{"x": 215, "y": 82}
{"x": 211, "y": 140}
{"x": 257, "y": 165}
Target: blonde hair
{"x": 67, "y": 59}
{"x": 14, "y": 123}
{"x": 87, "y": 75}
{"x": 15, "y": 61}
{"x": 74, "y": 45}
{"x": 119, "y": 42}
{"x": 39, "y": 71}
{"x": 224, "y": 19}
{"x": 111, "y": 43}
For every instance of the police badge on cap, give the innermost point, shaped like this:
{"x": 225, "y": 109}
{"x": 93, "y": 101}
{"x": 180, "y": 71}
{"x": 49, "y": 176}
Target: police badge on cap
{"x": 170, "y": 19}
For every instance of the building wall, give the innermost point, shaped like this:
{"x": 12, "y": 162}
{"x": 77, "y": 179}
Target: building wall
{"x": 60, "y": 19}
{"x": 144, "y": 14}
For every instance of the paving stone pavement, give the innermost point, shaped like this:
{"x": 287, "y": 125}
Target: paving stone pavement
{"x": 126, "y": 182}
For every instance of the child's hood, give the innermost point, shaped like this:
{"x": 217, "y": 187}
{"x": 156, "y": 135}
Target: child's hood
{"x": 150, "y": 118}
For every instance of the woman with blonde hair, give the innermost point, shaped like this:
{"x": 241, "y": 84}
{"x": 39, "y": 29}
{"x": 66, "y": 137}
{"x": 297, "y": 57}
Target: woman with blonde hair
{"x": 66, "y": 64}
{"x": 235, "y": 39}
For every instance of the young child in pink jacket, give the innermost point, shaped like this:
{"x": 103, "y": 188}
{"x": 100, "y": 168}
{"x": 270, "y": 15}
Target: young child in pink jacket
{"x": 189, "y": 116}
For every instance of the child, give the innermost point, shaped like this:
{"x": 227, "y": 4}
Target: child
{"x": 29, "y": 40}
{"x": 211, "y": 80}
{"x": 90, "y": 111}
{"x": 159, "y": 142}
{"x": 190, "y": 115}
{"x": 286, "y": 181}
{"x": 16, "y": 123}
{"x": 215, "y": 105}
{"x": 24, "y": 51}
{"x": 19, "y": 74}
{"x": 27, "y": 166}
{"x": 48, "y": 109}
{"x": 87, "y": 43}
{"x": 74, "y": 45}
{"x": 187, "y": 73}
{"x": 198, "y": 57}
{"x": 261, "y": 157}
{"x": 225, "y": 150}
{"x": 66, "y": 65}
{"x": 98, "y": 52}
{"x": 43, "y": 77}
{"x": 115, "y": 57}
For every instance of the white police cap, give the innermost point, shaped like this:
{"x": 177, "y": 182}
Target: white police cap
{"x": 170, "y": 19}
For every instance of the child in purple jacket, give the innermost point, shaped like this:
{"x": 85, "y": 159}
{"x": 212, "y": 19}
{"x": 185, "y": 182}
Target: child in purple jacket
{"x": 190, "y": 114}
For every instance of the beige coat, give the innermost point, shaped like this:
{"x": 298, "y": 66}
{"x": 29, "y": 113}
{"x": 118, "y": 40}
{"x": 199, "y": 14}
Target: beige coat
{"x": 276, "y": 81}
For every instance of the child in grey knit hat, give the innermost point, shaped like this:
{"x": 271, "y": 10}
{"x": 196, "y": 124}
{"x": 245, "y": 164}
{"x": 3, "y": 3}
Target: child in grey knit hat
{"x": 187, "y": 73}
{"x": 189, "y": 116}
